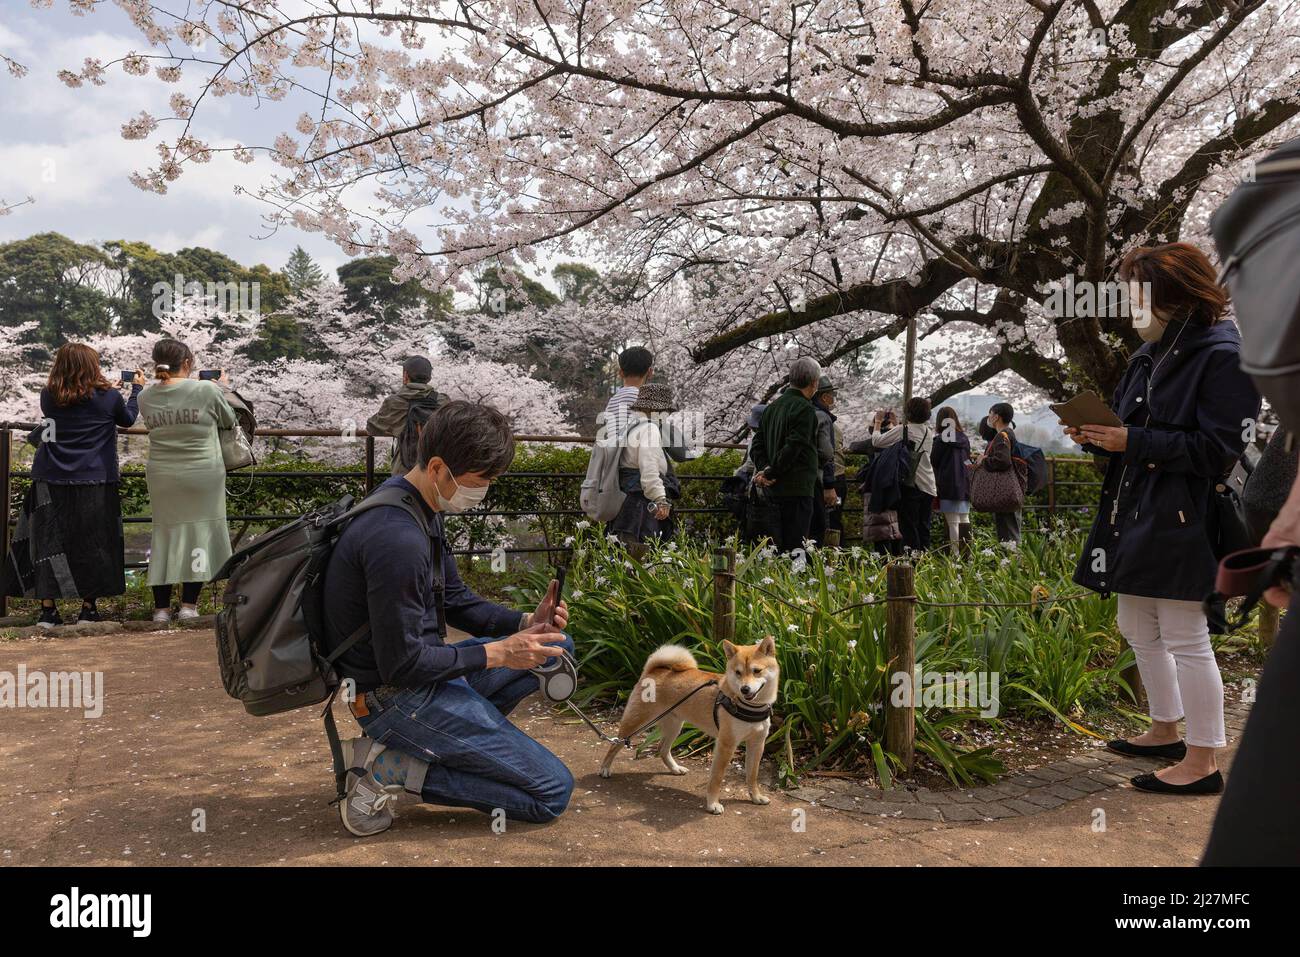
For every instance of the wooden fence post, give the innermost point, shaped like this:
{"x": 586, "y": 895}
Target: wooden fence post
{"x": 1134, "y": 679}
{"x": 1268, "y": 622}
{"x": 724, "y": 594}
{"x": 900, "y": 636}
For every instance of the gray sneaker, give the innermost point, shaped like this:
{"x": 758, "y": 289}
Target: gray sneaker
{"x": 365, "y": 810}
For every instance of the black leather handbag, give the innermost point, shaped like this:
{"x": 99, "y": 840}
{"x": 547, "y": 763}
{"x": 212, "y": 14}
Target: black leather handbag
{"x": 1226, "y": 520}
{"x": 1257, "y": 232}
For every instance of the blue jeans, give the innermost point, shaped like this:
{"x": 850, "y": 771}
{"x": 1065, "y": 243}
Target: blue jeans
{"x": 477, "y": 758}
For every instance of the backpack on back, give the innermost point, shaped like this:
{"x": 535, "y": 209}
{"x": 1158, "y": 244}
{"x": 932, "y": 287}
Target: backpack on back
{"x": 406, "y": 448}
{"x": 1257, "y": 232}
{"x": 1035, "y": 463}
{"x": 600, "y": 496}
{"x": 270, "y": 631}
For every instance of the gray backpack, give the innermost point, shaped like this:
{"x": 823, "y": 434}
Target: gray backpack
{"x": 271, "y": 628}
{"x": 600, "y": 496}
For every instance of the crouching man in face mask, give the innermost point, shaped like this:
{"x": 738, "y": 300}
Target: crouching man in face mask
{"x": 433, "y": 714}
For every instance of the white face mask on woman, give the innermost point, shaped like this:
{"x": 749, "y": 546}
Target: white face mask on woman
{"x": 462, "y": 499}
{"x": 1146, "y": 323}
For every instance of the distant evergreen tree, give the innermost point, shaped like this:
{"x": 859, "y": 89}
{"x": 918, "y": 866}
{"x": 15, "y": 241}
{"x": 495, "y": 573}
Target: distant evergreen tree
{"x": 302, "y": 271}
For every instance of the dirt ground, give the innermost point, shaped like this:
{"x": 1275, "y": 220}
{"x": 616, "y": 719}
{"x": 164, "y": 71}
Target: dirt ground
{"x": 171, "y": 751}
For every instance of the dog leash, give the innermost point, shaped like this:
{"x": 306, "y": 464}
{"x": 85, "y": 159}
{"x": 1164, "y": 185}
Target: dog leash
{"x": 627, "y": 740}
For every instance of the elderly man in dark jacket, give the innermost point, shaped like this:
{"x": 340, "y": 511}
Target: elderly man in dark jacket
{"x": 784, "y": 451}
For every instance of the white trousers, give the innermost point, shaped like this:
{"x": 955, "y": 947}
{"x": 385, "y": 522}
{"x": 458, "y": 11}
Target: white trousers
{"x": 955, "y": 521}
{"x": 1171, "y": 641}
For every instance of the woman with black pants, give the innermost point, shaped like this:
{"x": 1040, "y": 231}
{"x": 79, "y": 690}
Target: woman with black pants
{"x": 1184, "y": 402}
{"x": 69, "y": 541}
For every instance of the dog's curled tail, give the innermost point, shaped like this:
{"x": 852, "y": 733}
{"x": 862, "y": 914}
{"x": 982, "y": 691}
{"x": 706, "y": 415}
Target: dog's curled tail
{"x": 673, "y": 657}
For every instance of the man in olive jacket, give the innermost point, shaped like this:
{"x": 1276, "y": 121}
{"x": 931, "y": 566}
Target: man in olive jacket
{"x": 390, "y": 420}
{"x": 785, "y": 453}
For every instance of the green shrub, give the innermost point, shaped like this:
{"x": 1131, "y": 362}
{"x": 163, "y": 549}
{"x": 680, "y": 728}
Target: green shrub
{"x": 827, "y": 614}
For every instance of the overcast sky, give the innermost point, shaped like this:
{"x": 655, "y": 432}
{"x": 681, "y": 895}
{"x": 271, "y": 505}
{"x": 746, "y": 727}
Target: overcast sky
{"x": 64, "y": 147}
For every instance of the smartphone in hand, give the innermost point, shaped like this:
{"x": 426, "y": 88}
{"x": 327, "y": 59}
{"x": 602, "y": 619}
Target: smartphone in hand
{"x": 210, "y": 374}
{"x": 128, "y": 376}
{"x": 559, "y": 591}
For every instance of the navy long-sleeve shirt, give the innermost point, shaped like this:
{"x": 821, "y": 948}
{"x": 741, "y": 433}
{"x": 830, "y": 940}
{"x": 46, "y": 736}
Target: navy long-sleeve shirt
{"x": 79, "y": 441}
{"x": 382, "y": 571}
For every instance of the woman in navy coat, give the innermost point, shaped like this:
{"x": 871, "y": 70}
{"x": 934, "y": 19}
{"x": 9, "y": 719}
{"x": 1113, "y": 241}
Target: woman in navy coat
{"x": 1188, "y": 411}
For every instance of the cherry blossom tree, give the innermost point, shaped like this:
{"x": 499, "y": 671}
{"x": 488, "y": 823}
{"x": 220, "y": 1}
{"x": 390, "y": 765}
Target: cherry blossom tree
{"x": 872, "y": 161}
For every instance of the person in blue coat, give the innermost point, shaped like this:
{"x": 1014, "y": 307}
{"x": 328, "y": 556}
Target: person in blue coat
{"x": 1188, "y": 411}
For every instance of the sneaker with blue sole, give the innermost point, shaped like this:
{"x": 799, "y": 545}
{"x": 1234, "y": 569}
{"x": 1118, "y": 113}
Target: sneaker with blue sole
{"x": 365, "y": 809}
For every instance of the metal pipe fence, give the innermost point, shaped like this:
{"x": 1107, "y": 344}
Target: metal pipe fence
{"x": 369, "y": 477}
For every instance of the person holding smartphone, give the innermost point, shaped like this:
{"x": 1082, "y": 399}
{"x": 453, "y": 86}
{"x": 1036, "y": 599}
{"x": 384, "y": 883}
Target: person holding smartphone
{"x": 1184, "y": 403}
{"x": 69, "y": 541}
{"x": 187, "y": 478}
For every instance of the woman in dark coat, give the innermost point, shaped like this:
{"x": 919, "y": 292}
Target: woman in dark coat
{"x": 950, "y": 457}
{"x": 1187, "y": 409}
{"x": 69, "y": 541}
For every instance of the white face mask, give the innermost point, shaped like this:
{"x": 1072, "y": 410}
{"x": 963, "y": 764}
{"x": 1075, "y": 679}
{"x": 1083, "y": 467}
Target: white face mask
{"x": 1145, "y": 323}
{"x": 462, "y": 499}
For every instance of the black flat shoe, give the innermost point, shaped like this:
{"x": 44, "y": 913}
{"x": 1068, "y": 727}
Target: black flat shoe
{"x": 1210, "y": 784}
{"x": 1174, "y": 752}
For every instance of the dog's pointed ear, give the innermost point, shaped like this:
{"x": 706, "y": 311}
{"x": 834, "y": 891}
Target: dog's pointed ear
{"x": 728, "y": 649}
{"x": 767, "y": 647}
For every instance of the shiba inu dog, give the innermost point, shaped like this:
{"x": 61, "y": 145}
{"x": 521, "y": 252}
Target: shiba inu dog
{"x": 732, "y": 707}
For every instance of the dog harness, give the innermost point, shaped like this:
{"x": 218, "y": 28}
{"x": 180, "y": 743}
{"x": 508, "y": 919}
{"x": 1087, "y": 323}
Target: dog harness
{"x": 739, "y": 711}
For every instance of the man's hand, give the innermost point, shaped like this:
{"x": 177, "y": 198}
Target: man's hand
{"x": 1112, "y": 438}
{"x": 524, "y": 649}
{"x": 661, "y": 511}
{"x": 830, "y": 499}
{"x": 763, "y": 480}
{"x": 543, "y": 613}
{"x": 1284, "y": 531}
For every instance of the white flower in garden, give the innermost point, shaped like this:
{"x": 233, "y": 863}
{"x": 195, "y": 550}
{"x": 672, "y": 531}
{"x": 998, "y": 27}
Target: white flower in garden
{"x": 853, "y": 644}
{"x": 792, "y": 628}
{"x": 568, "y": 540}
{"x": 765, "y": 581}
{"x": 987, "y": 552}
{"x": 601, "y": 580}
{"x": 856, "y": 551}
{"x": 583, "y": 524}
{"x": 575, "y": 594}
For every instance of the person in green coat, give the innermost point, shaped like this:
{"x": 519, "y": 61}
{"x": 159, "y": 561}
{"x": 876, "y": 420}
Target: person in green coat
{"x": 784, "y": 451}
{"x": 186, "y": 477}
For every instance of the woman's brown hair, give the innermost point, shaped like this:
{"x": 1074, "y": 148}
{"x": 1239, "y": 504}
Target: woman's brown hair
{"x": 169, "y": 356}
{"x": 917, "y": 409}
{"x": 948, "y": 413}
{"x": 75, "y": 374}
{"x": 1180, "y": 280}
